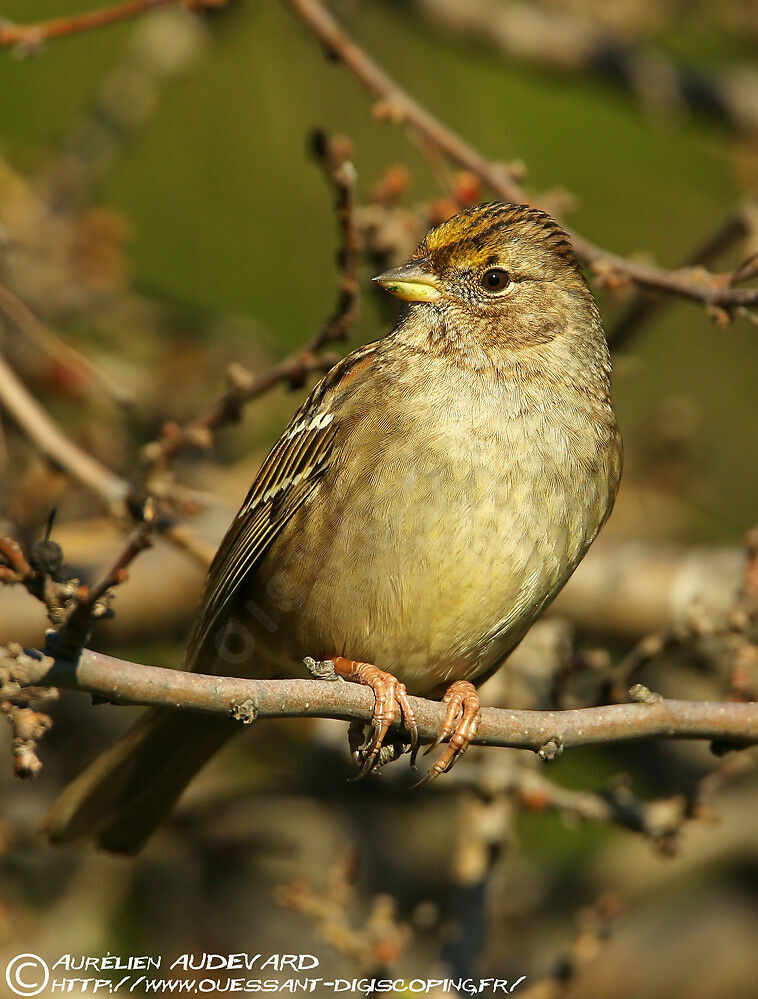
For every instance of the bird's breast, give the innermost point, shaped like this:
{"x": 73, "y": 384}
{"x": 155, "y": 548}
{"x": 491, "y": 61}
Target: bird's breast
{"x": 443, "y": 536}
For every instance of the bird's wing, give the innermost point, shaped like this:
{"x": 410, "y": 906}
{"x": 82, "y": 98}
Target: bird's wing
{"x": 286, "y": 480}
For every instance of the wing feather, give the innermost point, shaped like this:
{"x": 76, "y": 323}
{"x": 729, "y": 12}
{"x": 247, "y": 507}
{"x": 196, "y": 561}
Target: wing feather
{"x": 272, "y": 501}
{"x": 287, "y": 479}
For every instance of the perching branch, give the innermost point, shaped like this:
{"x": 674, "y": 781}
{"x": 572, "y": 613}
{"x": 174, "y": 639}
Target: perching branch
{"x": 544, "y": 732}
{"x": 72, "y": 609}
{"x": 397, "y": 106}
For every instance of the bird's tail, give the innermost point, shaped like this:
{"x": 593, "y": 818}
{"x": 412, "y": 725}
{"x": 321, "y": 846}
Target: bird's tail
{"x": 130, "y": 788}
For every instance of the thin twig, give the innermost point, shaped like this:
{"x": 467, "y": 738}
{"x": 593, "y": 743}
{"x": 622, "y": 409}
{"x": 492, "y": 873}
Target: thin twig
{"x": 544, "y": 732}
{"x": 32, "y": 35}
{"x": 16, "y": 568}
{"x": 397, "y": 106}
{"x": 243, "y": 389}
{"x": 65, "y": 454}
{"x": 11, "y": 552}
{"x": 27, "y": 727}
{"x": 660, "y": 820}
{"x": 333, "y": 153}
{"x": 55, "y": 445}
{"x": 25, "y": 320}
{"x": 72, "y": 609}
{"x": 595, "y": 923}
{"x": 372, "y": 941}
{"x": 123, "y": 497}
{"x": 91, "y": 603}
{"x": 644, "y": 307}
{"x": 746, "y": 271}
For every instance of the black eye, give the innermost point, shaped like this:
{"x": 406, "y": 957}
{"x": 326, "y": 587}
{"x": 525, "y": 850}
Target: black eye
{"x": 496, "y": 279}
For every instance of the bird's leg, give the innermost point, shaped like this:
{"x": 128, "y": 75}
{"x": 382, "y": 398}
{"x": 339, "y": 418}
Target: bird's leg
{"x": 391, "y": 700}
{"x": 460, "y": 725}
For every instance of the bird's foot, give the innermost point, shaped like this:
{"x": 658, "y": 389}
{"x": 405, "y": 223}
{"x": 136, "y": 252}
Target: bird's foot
{"x": 390, "y": 751}
{"x": 460, "y": 725}
{"x": 391, "y": 701}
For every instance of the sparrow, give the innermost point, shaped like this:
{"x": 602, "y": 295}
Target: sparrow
{"x": 425, "y": 504}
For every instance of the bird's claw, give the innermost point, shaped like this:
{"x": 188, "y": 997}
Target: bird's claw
{"x": 391, "y": 700}
{"x": 460, "y": 727}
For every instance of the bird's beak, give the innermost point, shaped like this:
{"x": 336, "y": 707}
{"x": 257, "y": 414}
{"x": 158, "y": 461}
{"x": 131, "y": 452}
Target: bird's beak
{"x": 412, "y": 282}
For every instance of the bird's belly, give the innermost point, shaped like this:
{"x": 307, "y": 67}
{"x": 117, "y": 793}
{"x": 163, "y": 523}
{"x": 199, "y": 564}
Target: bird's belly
{"x": 440, "y": 570}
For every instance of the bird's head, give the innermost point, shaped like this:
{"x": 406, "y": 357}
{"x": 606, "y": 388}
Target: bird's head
{"x": 507, "y": 272}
